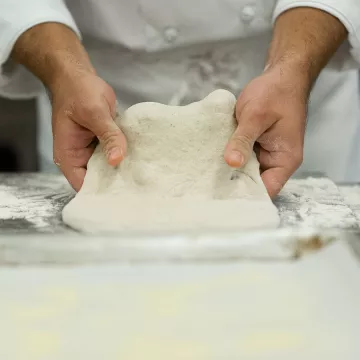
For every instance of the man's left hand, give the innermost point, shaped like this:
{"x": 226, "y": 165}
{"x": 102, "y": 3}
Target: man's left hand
{"x": 271, "y": 116}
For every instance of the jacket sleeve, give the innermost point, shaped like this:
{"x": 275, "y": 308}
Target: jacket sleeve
{"x": 16, "y": 17}
{"x": 348, "y": 12}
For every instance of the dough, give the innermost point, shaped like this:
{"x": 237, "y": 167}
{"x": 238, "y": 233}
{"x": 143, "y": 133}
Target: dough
{"x": 174, "y": 176}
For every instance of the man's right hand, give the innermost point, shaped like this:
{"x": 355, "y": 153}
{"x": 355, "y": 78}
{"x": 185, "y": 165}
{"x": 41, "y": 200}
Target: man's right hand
{"x": 84, "y": 108}
{"x": 83, "y": 105}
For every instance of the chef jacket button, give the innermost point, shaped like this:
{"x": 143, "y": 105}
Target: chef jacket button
{"x": 248, "y": 13}
{"x": 171, "y": 34}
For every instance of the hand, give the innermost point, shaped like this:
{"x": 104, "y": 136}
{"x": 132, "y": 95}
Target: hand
{"x": 271, "y": 114}
{"x": 83, "y": 105}
{"x": 84, "y": 108}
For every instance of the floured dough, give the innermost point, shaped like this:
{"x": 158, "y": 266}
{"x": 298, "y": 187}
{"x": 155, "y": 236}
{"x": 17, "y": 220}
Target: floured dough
{"x": 174, "y": 176}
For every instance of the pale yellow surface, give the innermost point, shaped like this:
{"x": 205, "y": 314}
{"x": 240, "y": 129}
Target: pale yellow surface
{"x": 192, "y": 312}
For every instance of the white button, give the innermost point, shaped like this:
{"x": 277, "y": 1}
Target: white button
{"x": 171, "y": 34}
{"x": 248, "y": 13}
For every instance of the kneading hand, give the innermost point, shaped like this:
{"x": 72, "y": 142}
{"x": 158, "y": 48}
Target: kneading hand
{"x": 271, "y": 110}
{"x": 83, "y": 105}
{"x": 84, "y": 109}
{"x": 271, "y": 116}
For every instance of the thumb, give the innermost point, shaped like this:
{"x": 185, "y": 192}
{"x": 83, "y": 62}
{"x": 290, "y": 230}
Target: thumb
{"x": 114, "y": 143}
{"x": 240, "y": 145}
{"x": 111, "y": 137}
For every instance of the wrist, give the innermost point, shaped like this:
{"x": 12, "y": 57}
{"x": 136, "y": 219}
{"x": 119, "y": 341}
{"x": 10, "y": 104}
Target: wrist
{"x": 304, "y": 40}
{"x": 294, "y": 71}
{"x": 52, "y": 51}
{"x": 66, "y": 66}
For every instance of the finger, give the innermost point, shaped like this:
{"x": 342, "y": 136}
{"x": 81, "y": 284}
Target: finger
{"x": 270, "y": 159}
{"x": 274, "y": 179}
{"x": 73, "y": 157}
{"x": 241, "y": 144}
{"x": 111, "y": 137}
{"x": 74, "y": 175}
{"x": 290, "y": 160}
{"x": 73, "y": 164}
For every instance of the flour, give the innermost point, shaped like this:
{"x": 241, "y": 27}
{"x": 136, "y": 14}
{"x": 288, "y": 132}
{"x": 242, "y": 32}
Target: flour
{"x": 32, "y": 205}
{"x": 315, "y": 202}
{"x": 9, "y": 203}
{"x": 351, "y": 194}
{"x": 17, "y": 207}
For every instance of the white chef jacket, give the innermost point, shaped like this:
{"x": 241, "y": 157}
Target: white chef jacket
{"x": 176, "y": 52}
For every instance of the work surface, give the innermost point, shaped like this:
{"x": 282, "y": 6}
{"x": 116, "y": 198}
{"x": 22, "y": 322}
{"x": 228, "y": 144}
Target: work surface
{"x": 56, "y": 304}
{"x": 302, "y": 310}
{"x": 33, "y": 203}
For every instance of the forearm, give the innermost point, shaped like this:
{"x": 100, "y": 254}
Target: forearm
{"x": 51, "y": 51}
{"x": 305, "y": 39}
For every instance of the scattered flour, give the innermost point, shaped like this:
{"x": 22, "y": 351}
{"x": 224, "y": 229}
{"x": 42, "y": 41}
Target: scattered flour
{"x": 351, "y": 194}
{"x": 315, "y": 202}
{"x": 9, "y": 204}
{"x": 31, "y": 202}
{"x": 15, "y": 206}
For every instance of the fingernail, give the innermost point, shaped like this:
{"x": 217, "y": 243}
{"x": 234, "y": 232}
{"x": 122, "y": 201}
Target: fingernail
{"x": 115, "y": 156}
{"x": 235, "y": 159}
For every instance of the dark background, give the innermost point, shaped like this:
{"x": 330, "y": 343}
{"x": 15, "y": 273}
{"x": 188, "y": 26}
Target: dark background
{"x": 18, "y": 151}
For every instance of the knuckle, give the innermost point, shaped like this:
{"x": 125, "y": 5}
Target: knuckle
{"x": 259, "y": 113}
{"x": 73, "y": 154}
{"x": 256, "y": 110}
{"x": 69, "y": 155}
{"x": 109, "y": 137}
{"x": 92, "y": 111}
{"x": 242, "y": 140}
